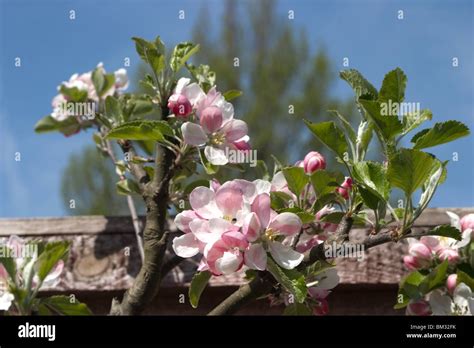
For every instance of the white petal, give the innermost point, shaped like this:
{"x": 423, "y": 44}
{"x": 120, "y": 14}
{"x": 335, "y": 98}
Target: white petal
{"x": 328, "y": 279}
{"x": 279, "y": 181}
{"x": 285, "y": 256}
{"x": 186, "y": 245}
{"x": 440, "y": 304}
{"x": 182, "y": 82}
{"x": 216, "y": 156}
{"x": 455, "y": 220}
{"x": 193, "y": 134}
{"x": 263, "y": 186}
{"x": 6, "y": 300}
{"x": 229, "y": 263}
{"x": 256, "y": 257}
{"x": 194, "y": 93}
{"x": 203, "y": 203}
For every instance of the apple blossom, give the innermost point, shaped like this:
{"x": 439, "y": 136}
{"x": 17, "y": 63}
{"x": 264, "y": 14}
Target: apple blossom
{"x": 467, "y": 222}
{"x": 218, "y": 131}
{"x": 451, "y": 283}
{"x": 449, "y": 254}
{"x": 420, "y": 255}
{"x": 121, "y": 79}
{"x": 345, "y": 188}
{"x": 460, "y": 303}
{"x": 313, "y": 161}
{"x": 184, "y": 97}
{"x": 6, "y": 297}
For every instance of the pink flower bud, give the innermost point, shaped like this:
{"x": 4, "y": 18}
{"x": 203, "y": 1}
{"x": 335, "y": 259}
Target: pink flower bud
{"x": 467, "y": 221}
{"x": 420, "y": 251}
{"x": 313, "y": 161}
{"x": 345, "y": 187}
{"x": 448, "y": 254}
{"x": 420, "y": 307}
{"x": 451, "y": 283}
{"x": 411, "y": 262}
{"x": 179, "y": 105}
{"x": 322, "y": 308}
{"x": 211, "y": 119}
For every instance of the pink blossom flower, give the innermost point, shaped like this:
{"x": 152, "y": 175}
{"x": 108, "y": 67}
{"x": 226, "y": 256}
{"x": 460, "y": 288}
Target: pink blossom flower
{"x": 313, "y": 161}
{"x": 261, "y": 227}
{"x": 449, "y": 254}
{"x": 121, "y": 79}
{"x": 420, "y": 255}
{"x": 218, "y": 131}
{"x": 184, "y": 98}
{"x": 345, "y": 188}
{"x": 467, "y": 222}
{"x": 451, "y": 283}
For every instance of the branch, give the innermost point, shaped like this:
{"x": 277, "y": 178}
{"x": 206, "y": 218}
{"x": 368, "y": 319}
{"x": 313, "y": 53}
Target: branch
{"x": 259, "y": 286}
{"x": 155, "y": 194}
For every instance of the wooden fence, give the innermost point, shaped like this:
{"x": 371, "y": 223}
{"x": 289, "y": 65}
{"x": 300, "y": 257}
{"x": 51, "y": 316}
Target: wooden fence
{"x": 104, "y": 259}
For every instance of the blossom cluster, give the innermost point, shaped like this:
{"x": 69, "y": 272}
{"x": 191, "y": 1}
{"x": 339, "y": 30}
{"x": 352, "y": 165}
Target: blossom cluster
{"x": 455, "y": 297}
{"x": 83, "y": 83}
{"x": 217, "y": 130}
{"x": 23, "y": 265}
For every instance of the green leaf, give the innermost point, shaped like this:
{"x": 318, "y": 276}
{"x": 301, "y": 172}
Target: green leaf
{"x": 98, "y": 79}
{"x": 8, "y": 262}
{"x": 279, "y": 200}
{"x": 296, "y": 179}
{"x": 413, "y": 120}
{"x": 430, "y": 186}
{"x": 446, "y": 231}
{"x": 359, "y": 84}
{"x": 297, "y": 309}
{"x": 63, "y": 305}
{"x": 141, "y": 130}
{"x": 409, "y": 286}
{"x": 317, "y": 268}
{"x": 441, "y": 133}
{"x": 47, "y": 124}
{"x": 232, "y": 94}
{"x": 330, "y": 135}
{"x": 181, "y": 53}
{"x": 127, "y": 187}
{"x": 293, "y": 281}
{"x": 49, "y": 257}
{"x": 435, "y": 279}
{"x": 373, "y": 176}
{"x": 152, "y": 53}
{"x": 347, "y": 126}
{"x": 408, "y": 169}
{"x": 465, "y": 278}
{"x": 387, "y": 125}
{"x": 370, "y": 199}
{"x": 393, "y": 87}
{"x": 208, "y": 166}
{"x": 198, "y": 284}
{"x": 325, "y": 182}
{"x": 73, "y": 94}
{"x": 142, "y": 46}
{"x": 113, "y": 109}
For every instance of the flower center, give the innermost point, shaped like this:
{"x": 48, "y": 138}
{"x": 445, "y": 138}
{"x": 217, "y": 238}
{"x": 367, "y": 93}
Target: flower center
{"x": 217, "y": 138}
{"x": 270, "y": 234}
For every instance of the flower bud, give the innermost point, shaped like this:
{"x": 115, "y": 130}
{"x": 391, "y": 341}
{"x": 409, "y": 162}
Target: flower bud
{"x": 411, "y": 262}
{"x": 420, "y": 251}
{"x": 179, "y": 105}
{"x": 313, "y": 161}
{"x": 449, "y": 254}
{"x": 345, "y": 187}
{"x": 211, "y": 119}
{"x": 451, "y": 283}
{"x": 420, "y": 307}
{"x": 121, "y": 79}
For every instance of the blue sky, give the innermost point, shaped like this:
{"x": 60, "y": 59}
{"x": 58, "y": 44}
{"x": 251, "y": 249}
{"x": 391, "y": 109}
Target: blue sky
{"x": 52, "y": 47}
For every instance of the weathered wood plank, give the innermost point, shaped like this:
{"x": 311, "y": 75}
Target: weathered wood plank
{"x": 104, "y": 253}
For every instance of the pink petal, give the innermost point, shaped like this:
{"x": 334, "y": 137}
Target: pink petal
{"x": 234, "y": 130}
{"x": 251, "y": 227}
{"x": 193, "y": 134}
{"x": 229, "y": 199}
{"x": 183, "y": 219}
{"x": 256, "y": 257}
{"x": 234, "y": 239}
{"x": 211, "y": 119}
{"x": 261, "y": 207}
{"x": 186, "y": 245}
{"x": 202, "y": 202}
{"x": 286, "y": 223}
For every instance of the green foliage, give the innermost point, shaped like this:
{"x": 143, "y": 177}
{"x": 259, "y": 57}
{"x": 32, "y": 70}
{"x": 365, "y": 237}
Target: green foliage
{"x": 393, "y": 87}
{"x": 62, "y": 305}
{"x": 198, "y": 284}
{"x": 181, "y": 53}
{"x": 441, "y": 133}
{"x": 52, "y": 253}
{"x": 296, "y": 179}
{"x": 141, "y": 130}
{"x": 362, "y": 88}
{"x": 330, "y": 135}
{"x": 293, "y": 281}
